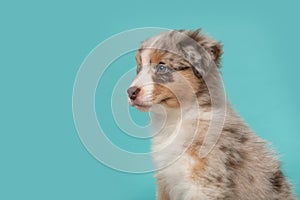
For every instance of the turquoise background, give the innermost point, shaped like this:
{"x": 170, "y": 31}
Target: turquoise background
{"x": 43, "y": 44}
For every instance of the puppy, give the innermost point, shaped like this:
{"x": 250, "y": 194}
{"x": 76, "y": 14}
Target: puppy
{"x": 201, "y": 148}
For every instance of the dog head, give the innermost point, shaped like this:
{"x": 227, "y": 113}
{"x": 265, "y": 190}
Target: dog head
{"x": 171, "y": 67}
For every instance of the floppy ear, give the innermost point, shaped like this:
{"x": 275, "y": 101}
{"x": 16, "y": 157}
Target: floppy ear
{"x": 213, "y": 47}
{"x": 215, "y": 50}
{"x": 200, "y": 50}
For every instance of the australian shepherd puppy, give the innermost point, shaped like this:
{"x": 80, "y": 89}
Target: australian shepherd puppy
{"x": 201, "y": 148}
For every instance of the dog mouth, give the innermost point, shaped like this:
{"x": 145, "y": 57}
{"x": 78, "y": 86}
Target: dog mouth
{"x": 145, "y": 106}
{"x": 140, "y": 105}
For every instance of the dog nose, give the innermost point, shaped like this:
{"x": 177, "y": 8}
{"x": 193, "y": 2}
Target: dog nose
{"x": 133, "y": 92}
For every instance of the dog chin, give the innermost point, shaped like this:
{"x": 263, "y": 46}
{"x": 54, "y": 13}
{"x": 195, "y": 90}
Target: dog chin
{"x": 143, "y": 108}
{"x": 140, "y": 106}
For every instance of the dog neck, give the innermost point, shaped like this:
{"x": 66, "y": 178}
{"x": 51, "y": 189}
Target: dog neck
{"x": 168, "y": 123}
{"x": 173, "y": 129}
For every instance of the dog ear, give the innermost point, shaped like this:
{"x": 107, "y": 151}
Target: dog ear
{"x": 215, "y": 50}
{"x": 213, "y": 47}
{"x": 200, "y": 50}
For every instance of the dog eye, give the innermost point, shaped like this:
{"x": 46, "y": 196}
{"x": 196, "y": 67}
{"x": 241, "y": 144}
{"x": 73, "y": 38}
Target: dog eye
{"x": 161, "y": 68}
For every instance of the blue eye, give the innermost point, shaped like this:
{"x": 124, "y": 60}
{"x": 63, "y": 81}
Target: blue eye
{"x": 160, "y": 68}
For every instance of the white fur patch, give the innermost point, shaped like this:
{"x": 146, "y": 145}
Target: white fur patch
{"x": 144, "y": 79}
